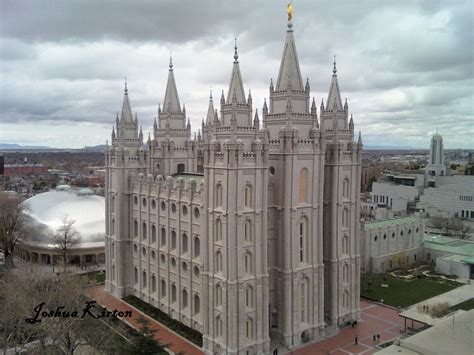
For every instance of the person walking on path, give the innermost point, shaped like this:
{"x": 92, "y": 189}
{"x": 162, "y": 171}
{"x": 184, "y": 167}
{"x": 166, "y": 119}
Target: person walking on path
{"x": 356, "y": 340}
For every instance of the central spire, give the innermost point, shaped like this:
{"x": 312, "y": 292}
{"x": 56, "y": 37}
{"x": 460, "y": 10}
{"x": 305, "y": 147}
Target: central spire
{"x": 334, "y": 98}
{"x": 171, "y": 103}
{"x": 126, "y": 115}
{"x": 289, "y": 73}
{"x": 236, "y": 87}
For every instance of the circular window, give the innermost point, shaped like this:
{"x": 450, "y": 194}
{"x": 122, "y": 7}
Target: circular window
{"x": 163, "y": 206}
{"x": 185, "y": 210}
{"x": 173, "y": 208}
{"x": 272, "y": 170}
{"x": 375, "y": 239}
{"x": 196, "y": 213}
{"x": 163, "y": 258}
{"x": 184, "y": 266}
{"x": 135, "y": 248}
{"x": 144, "y": 202}
{"x": 384, "y": 236}
{"x": 153, "y": 204}
{"x": 196, "y": 271}
{"x": 144, "y": 251}
{"x": 173, "y": 262}
{"x": 153, "y": 255}
{"x": 135, "y": 200}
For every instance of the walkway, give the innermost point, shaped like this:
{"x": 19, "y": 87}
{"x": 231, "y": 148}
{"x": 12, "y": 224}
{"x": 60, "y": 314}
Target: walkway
{"x": 375, "y": 318}
{"x": 163, "y": 335}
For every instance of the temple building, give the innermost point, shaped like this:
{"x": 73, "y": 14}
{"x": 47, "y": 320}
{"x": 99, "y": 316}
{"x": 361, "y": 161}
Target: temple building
{"x": 248, "y": 233}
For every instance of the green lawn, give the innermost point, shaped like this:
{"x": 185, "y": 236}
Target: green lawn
{"x": 403, "y": 293}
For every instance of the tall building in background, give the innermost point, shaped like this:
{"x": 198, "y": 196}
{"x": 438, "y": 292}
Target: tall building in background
{"x": 436, "y": 165}
{"x": 249, "y": 232}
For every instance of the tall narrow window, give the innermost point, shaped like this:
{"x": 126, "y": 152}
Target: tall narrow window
{"x": 248, "y": 231}
{"x": 144, "y": 279}
{"x": 303, "y": 240}
{"x": 248, "y": 263}
{"x": 303, "y": 195}
{"x": 304, "y": 294}
{"x": 112, "y": 227}
{"x": 153, "y": 283}
{"x": 153, "y": 233}
{"x": 345, "y": 299}
{"x": 197, "y": 304}
{"x": 173, "y": 293}
{"x": 345, "y": 217}
{"x": 135, "y": 228}
{"x": 143, "y": 230}
{"x": 218, "y": 261}
{"x": 249, "y": 297}
{"x": 218, "y": 326}
{"x": 248, "y": 196}
{"x": 184, "y": 246}
{"x": 345, "y": 188}
{"x": 163, "y": 288}
{"x": 197, "y": 247}
{"x": 345, "y": 244}
{"x": 345, "y": 273}
{"x": 218, "y": 295}
{"x": 185, "y": 298}
{"x": 219, "y": 195}
{"x": 136, "y": 275}
{"x": 218, "y": 231}
{"x": 249, "y": 328}
{"x": 173, "y": 240}
{"x": 163, "y": 237}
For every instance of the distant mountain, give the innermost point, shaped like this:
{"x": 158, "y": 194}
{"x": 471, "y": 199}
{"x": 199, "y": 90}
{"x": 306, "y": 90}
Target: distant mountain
{"x": 8, "y": 146}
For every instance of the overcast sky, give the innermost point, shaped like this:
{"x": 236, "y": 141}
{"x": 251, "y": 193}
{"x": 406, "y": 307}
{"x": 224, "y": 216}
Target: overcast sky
{"x": 406, "y": 67}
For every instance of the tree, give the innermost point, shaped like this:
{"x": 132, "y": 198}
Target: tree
{"x": 12, "y": 225}
{"x": 465, "y": 231}
{"x": 145, "y": 342}
{"x": 66, "y": 238}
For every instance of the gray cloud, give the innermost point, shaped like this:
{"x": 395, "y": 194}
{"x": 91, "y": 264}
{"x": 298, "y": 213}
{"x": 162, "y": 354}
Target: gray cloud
{"x": 406, "y": 67}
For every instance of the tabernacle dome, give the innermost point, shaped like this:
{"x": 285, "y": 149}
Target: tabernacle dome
{"x": 46, "y": 212}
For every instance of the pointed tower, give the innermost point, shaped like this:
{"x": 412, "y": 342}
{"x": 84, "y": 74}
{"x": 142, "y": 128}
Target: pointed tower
{"x": 235, "y": 277}
{"x": 126, "y": 156}
{"x": 342, "y": 174}
{"x": 173, "y": 151}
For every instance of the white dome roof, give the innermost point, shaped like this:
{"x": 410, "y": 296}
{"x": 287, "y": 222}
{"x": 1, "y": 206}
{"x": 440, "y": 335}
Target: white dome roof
{"x": 47, "y": 211}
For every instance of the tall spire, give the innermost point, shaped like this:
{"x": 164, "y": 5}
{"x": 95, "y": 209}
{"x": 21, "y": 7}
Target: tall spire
{"x": 289, "y": 66}
{"x": 126, "y": 115}
{"x": 236, "y": 86}
{"x": 334, "y": 98}
{"x": 171, "y": 103}
{"x": 210, "y": 111}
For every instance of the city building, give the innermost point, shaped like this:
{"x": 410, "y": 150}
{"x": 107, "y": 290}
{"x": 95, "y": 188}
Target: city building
{"x": 248, "y": 233}
{"x": 47, "y": 211}
{"x": 390, "y": 244}
{"x": 25, "y": 169}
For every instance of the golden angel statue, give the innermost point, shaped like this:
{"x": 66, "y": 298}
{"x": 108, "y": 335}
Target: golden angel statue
{"x": 290, "y": 11}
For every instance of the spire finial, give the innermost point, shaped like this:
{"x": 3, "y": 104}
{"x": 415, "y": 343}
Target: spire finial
{"x": 171, "y": 60}
{"x": 236, "y": 56}
{"x": 210, "y": 94}
{"x": 126, "y": 88}
{"x": 289, "y": 11}
{"x": 334, "y": 70}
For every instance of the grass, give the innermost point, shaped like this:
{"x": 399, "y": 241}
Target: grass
{"x": 466, "y": 305}
{"x": 403, "y": 293}
{"x": 191, "y": 334}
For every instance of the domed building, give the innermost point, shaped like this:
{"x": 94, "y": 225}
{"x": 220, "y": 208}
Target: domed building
{"x": 47, "y": 212}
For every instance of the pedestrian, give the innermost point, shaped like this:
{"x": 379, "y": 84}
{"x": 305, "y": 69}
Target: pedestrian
{"x": 374, "y": 338}
{"x": 356, "y": 340}
{"x": 378, "y": 337}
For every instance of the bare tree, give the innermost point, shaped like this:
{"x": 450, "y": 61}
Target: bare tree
{"x": 66, "y": 238}
{"x": 465, "y": 231}
{"x": 12, "y": 225}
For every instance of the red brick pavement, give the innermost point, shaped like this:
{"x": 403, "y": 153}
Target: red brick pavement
{"x": 162, "y": 334}
{"x": 374, "y": 319}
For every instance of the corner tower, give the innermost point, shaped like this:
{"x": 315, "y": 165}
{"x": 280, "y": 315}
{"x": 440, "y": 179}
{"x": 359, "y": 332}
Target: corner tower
{"x": 126, "y": 156}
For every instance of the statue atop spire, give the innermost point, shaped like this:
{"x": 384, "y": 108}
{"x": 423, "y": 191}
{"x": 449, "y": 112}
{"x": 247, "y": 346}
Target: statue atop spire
{"x": 289, "y": 11}
{"x": 334, "y": 69}
{"x": 236, "y": 55}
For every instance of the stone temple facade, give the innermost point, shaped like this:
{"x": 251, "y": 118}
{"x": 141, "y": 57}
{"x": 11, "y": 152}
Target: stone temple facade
{"x": 248, "y": 232}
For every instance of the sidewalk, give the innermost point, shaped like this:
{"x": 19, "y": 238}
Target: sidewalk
{"x": 163, "y": 334}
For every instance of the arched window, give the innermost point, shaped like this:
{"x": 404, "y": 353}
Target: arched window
{"x": 163, "y": 288}
{"x": 112, "y": 204}
{"x": 197, "y": 247}
{"x": 345, "y": 273}
{"x": 218, "y": 295}
{"x": 173, "y": 240}
{"x": 144, "y": 230}
{"x": 303, "y": 196}
{"x": 248, "y": 196}
{"x": 135, "y": 228}
{"x": 219, "y": 195}
{"x": 136, "y": 275}
{"x": 112, "y": 249}
{"x": 173, "y": 293}
{"x": 185, "y": 298}
{"x": 304, "y": 290}
{"x": 144, "y": 279}
{"x": 345, "y": 188}
{"x": 303, "y": 239}
{"x": 113, "y": 272}
{"x": 197, "y": 305}
{"x": 218, "y": 261}
{"x": 248, "y": 231}
{"x": 184, "y": 246}
{"x": 249, "y": 328}
{"x": 163, "y": 237}
{"x": 112, "y": 226}
{"x": 345, "y": 244}
{"x": 345, "y": 217}
{"x": 153, "y": 233}
{"x": 218, "y": 326}
{"x": 249, "y": 297}
{"x": 248, "y": 263}
{"x": 218, "y": 231}
{"x": 345, "y": 299}
{"x": 153, "y": 283}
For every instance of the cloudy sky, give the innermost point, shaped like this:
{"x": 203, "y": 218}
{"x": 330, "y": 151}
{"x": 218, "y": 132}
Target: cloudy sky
{"x": 406, "y": 67}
